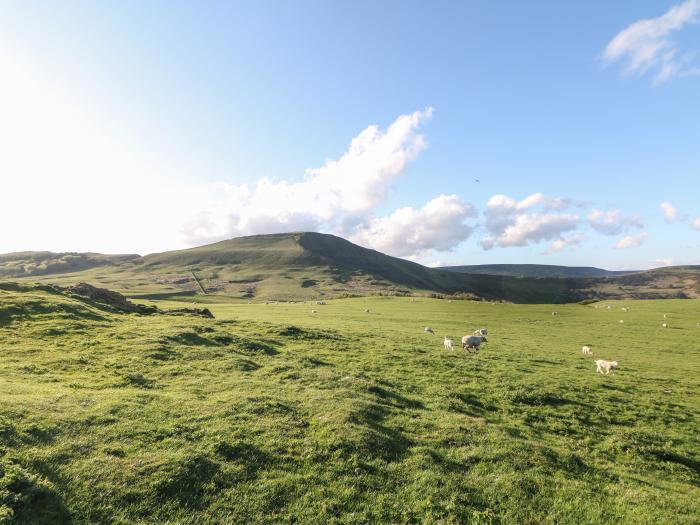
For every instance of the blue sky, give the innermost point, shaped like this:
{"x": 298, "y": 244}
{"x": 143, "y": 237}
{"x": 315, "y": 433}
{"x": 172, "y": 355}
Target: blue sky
{"x": 138, "y": 128}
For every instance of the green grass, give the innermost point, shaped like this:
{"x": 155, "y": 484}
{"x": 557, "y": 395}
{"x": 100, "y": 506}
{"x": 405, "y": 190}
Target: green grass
{"x": 272, "y": 414}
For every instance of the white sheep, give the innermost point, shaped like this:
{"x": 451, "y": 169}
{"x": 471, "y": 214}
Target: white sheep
{"x": 665, "y": 316}
{"x": 366, "y": 310}
{"x": 608, "y": 366}
{"x": 586, "y": 350}
{"x": 313, "y": 311}
{"x": 608, "y": 307}
{"x": 555, "y": 313}
{"x": 449, "y": 343}
{"x": 428, "y": 330}
{"x": 698, "y": 325}
{"x": 664, "y": 325}
{"x": 473, "y": 342}
{"x": 623, "y": 309}
{"x": 622, "y": 321}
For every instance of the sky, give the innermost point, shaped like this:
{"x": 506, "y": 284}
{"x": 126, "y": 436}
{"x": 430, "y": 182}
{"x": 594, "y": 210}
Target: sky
{"x": 442, "y": 132}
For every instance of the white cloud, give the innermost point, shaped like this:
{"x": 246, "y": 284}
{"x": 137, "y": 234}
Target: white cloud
{"x": 337, "y": 197}
{"x": 341, "y": 197}
{"x": 572, "y": 242}
{"x": 514, "y": 223}
{"x": 631, "y": 241}
{"x": 645, "y": 45}
{"x": 663, "y": 262}
{"x": 612, "y": 222}
{"x": 409, "y": 232}
{"x": 669, "y": 211}
{"x": 696, "y": 224}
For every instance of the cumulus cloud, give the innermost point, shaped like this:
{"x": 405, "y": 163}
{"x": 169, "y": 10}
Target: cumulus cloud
{"x": 645, "y": 46}
{"x": 572, "y": 242}
{"x": 409, "y": 232}
{"x": 341, "y": 197}
{"x": 669, "y": 211}
{"x": 696, "y": 224}
{"x": 631, "y": 241}
{"x": 612, "y": 222}
{"x": 531, "y": 220}
{"x": 338, "y": 196}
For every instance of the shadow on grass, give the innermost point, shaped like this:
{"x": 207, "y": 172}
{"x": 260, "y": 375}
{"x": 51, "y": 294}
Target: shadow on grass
{"x": 31, "y": 498}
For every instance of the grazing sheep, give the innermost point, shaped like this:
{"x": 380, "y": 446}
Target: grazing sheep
{"x": 555, "y": 313}
{"x": 664, "y": 325}
{"x": 313, "y": 311}
{"x": 623, "y": 309}
{"x": 698, "y": 325}
{"x": 320, "y": 302}
{"x": 473, "y": 342}
{"x": 608, "y": 307}
{"x": 481, "y": 332}
{"x": 622, "y": 321}
{"x": 428, "y": 330}
{"x": 449, "y": 344}
{"x": 586, "y": 350}
{"x": 608, "y": 366}
{"x": 366, "y": 310}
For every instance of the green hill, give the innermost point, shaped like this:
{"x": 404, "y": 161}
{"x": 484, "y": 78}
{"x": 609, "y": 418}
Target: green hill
{"x": 305, "y": 266}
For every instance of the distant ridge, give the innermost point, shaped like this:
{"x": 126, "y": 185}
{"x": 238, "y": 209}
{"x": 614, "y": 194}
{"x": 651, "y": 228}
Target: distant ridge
{"x": 536, "y": 270}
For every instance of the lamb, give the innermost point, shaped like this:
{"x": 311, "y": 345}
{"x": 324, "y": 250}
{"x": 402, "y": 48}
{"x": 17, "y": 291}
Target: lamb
{"x": 428, "y": 330}
{"x": 664, "y": 325}
{"x": 608, "y": 366}
{"x": 586, "y": 350}
{"x": 473, "y": 342}
{"x": 623, "y": 309}
{"x": 366, "y": 310}
{"x": 622, "y": 321}
{"x": 449, "y": 344}
{"x": 555, "y": 313}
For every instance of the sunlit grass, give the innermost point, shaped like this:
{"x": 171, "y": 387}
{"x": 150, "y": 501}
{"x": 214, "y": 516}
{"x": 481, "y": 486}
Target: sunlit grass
{"x": 272, "y": 414}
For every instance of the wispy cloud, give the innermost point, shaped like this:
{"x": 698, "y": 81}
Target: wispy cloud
{"x": 631, "y": 241}
{"x": 572, "y": 242}
{"x": 670, "y": 212}
{"x": 646, "y": 46}
{"x": 612, "y": 222}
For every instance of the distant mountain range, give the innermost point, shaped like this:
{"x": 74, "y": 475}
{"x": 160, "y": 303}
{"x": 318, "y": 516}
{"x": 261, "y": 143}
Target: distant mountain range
{"x": 307, "y": 265}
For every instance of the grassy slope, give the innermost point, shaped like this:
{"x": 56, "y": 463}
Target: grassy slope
{"x": 294, "y": 266}
{"x": 352, "y": 417}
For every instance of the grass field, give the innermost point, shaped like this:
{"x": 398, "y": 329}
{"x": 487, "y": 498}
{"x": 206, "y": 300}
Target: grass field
{"x": 272, "y": 414}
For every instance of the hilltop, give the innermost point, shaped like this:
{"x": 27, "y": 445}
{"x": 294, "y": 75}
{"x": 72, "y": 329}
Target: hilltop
{"x": 308, "y": 265}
